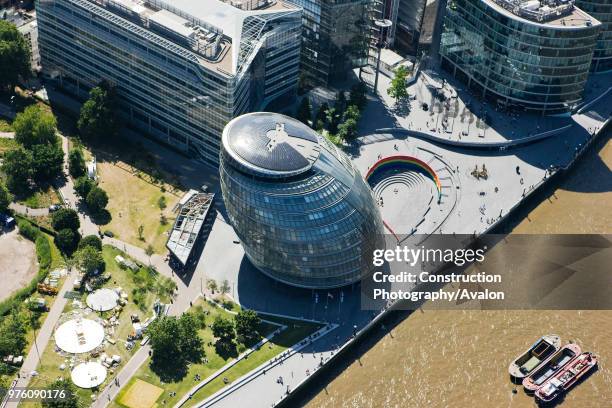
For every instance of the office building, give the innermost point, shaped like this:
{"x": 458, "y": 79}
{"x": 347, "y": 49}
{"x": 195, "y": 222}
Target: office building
{"x": 303, "y": 213}
{"x": 527, "y": 55}
{"x": 334, "y": 39}
{"x": 182, "y": 68}
{"x": 602, "y": 11}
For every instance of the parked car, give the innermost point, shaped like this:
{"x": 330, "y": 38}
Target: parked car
{"x": 54, "y": 207}
{"x": 109, "y": 233}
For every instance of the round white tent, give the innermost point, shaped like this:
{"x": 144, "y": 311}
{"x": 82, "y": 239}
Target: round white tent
{"x": 79, "y": 335}
{"x": 88, "y": 375}
{"x": 102, "y": 300}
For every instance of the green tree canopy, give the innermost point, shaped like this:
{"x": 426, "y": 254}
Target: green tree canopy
{"x": 247, "y": 325}
{"x": 5, "y": 198}
{"x": 17, "y": 165}
{"x": 47, "y": 161}
{"x": 97, "y": 199}
{"x": 67, "y": 240}
{"x": 398, "y": 89}
{"x": 304, "y": 111}
{"x": 14, "y": 56}
{"x": 175, "y": 342}
{"x": 223, "y": 329}
{"x": 76, "y": 163}
{"x": 98, "y": 117}
{"x": 35, "y": 126}
{"x": 12, "y": 334}
{"x": 92, "y": 241}
{"x": 358, "y": 95}
{"x": 65, "y": 218}
{"x": 70, "y": 399}
{"x": 321, "y": 116}
{"x": 83, "y": 185}
{"x": 89, "y": 260}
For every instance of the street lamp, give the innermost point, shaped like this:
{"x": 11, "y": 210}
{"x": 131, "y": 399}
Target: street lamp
{"x": 381, "y": 24}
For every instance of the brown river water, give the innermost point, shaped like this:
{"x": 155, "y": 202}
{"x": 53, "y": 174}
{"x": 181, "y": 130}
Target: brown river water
{"x": 459, "y": 358}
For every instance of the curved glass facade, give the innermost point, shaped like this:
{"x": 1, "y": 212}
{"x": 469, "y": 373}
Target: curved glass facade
{"x": 602, "y": 11}
{"x": 313, "y": 227}
{"x": 517, "y": 62}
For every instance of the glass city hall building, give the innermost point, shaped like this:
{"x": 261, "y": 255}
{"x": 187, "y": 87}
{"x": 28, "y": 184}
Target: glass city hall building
{"x": 602, "y": 11}
{"x": 303, "y": 213}
{"x": 527, "y": 55}
{"x": 182, "y": 68}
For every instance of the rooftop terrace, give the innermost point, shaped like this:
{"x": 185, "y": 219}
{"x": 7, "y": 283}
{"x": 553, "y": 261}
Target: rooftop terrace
{"x": 559, "y": 13}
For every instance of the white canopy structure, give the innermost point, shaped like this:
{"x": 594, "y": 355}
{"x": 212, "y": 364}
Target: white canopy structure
{"x": 102, "y": 300}
{"x": 79, "y": 336}
{"x": 88, "y": 375}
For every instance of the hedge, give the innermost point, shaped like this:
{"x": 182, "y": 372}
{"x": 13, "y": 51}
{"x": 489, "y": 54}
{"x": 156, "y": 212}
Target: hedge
{"x": 43, "y": 253}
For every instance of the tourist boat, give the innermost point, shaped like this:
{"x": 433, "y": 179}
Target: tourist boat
{"x": 550, "y": 366}
{"x": 539, "y": 351}
{"x": 566, "y": 378}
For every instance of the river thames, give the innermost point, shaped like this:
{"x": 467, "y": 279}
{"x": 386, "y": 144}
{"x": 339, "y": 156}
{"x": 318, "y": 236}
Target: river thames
{"x": 460, "y": 358}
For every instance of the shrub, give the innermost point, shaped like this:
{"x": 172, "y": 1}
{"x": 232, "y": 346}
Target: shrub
{"x": 27, "y": 230}
{"x": 92, "y": 241}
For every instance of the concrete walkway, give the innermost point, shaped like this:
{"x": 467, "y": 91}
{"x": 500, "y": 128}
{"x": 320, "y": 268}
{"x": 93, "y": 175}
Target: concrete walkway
{"x": 25, "y": 210}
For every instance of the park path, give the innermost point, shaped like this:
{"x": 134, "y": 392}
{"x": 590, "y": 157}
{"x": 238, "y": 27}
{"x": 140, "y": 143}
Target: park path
{"x": 44, "y": 334}
{"x": 7, "y": 135}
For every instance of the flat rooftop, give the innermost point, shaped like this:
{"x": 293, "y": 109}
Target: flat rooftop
{"x": 211, "y": 29}
{"x": 556, "y": 13}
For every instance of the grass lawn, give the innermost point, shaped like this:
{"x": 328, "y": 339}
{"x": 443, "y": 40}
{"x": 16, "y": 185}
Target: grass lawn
{"x": 133, "y": 201}
{"x": 6, "y": 144}
{"x": 5, "y": 125}
{"x": 41, "y": 198}
{"x": 295, "y": 332}
{"x": 51, "y": 360}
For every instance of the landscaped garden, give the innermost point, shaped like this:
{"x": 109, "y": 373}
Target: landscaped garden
{"x": 143, "y": 287}
{"x": 215, "y": 356}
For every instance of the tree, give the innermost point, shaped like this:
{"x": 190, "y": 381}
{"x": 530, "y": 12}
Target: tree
{"x": 70, "y": 399}
{"x": 398, "y": 89}
{"x": 34, "y": 126}
{"x": 149, "y": 251}
{"x": 89, "y": 260}
{"x": 190, "y": 342}
{"x": 352, "y": 112}
{"x": 83, "y": 185}
{"x": 17, "y": 165}
{"x": 321, "y": 114}
{"x": 96, "y": 200}
{"x": 304, "y": 112}
{"x": 161, "y": 202}
{"x": 247, "y": 324}
{"x": 5, "y": 198}
{"x": 140, "y": 232}
{"x": 12, "y": 334}
{"x": 14, "y": 56}
{"x": 223, "y": 330}
{"x": 175, "y": 341}
{"x": 211, "y": 284}
{"x": 332, "y": 119}
{"x": 65, "y": 218}
{"x": 76, "y": 163}
{"x": 98, "y": 117}
{"x": 92, "y": 241}
{"x": 67, "y": 240}
{"x": 47, "y": 160}
{"x": 225, "y": 287}
{"x": 347, "y": 129}
{"x": 358, "y": 96}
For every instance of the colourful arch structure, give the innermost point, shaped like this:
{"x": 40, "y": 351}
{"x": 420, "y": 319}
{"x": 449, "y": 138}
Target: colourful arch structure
{"x": 404, "y": 162}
